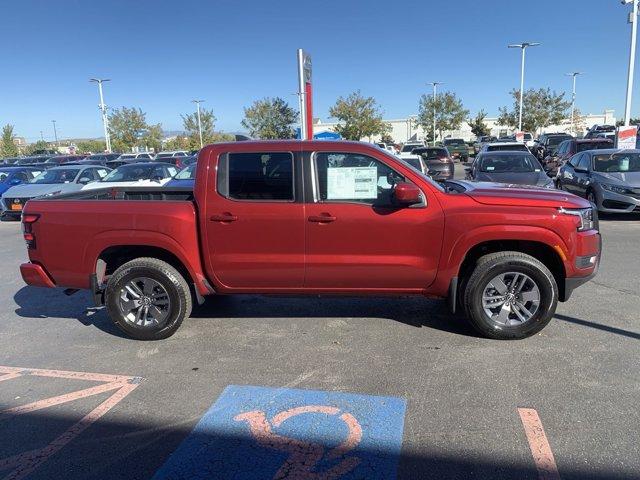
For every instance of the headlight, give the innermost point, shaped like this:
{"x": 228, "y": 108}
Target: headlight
{"x": 588, "y": 219}
{"x": 615, "y": 189}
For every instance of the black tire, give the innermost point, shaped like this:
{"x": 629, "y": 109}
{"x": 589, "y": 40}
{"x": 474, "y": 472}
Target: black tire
{"x": 176, "y": 287}
{"x": 494, "y": 264}
{"x": 559, "y": 185}
{"x": 591, "y": 196}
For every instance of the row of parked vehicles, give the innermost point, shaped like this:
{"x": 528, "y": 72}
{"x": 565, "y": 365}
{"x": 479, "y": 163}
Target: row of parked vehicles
{"x": 19, "y": 184}
{"x": 589, "y": 167}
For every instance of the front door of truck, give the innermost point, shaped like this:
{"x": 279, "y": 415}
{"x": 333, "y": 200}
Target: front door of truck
{"x": 357, "y": 238}
{"x": 255, "y": 221}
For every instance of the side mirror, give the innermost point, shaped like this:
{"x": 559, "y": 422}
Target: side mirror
{"x": 407, "y": 193}
{"x": 85, "y": 180}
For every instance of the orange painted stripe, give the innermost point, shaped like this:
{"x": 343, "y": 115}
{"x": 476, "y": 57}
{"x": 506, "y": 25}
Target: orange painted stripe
{"x": 9, "y": 376}
{"x": 43, "y": 372}
{"x": 539, "y": 445}
{"x": 30, "y": 462}
{"x": 67, "y": 397}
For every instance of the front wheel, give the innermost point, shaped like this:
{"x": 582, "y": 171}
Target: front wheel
{"x": 510, "y": 295}
{"x": 148, "y": 299}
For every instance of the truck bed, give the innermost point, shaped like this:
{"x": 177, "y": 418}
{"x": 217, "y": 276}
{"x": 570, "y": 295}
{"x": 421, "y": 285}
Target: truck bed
{"x": 131, "y": 193}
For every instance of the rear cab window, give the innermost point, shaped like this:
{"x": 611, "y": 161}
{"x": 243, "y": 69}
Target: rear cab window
{"x": 256, "y": 176}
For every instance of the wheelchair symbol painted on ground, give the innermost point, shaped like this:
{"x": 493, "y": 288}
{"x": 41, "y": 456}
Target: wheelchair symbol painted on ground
{"x": 304, "y": 456}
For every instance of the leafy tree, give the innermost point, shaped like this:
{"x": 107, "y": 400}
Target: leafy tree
{"x": 34, "y": 147}
{"x": 207, "y": 121}
{"x": 93, "y": 146}
{"x": 540, "y": 108}
{"x": 386, "y": 138}
{"x": 632, "y": 121}
{"x": 450, "y": 113}
{"x": 129, "y": 128}
{"x": 8, "y": 147}
{"x": 358, "y": 117}
{"x": 478, "y": 127}
{"x": 270, "y": 119}
{"x": 177, "y": 143}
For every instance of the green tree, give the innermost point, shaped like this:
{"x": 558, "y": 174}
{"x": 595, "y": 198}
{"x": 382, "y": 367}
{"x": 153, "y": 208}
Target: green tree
{"x": 129, "y": 128}
{"x": 478, "y": 127}
{"x": 207, "y": 121}
{"x": 8, "y": 147}
{"x": 540, "y": 108}
{"x": 270, "y": 119}
{"x": 386, "y": 138}
{"x": 93, "y": 146}
{"x": 632, "y": 121}
{"x": 177, "y": 143}
{"x": 449, "y": 113}
{"x": 34, "y": 147}
{"x": 358, "y": 117}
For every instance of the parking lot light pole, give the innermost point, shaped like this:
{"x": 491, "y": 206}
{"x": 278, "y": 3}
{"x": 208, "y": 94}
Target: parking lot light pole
{"x": 435, "y": 86}
{"x": 103, "y": 109}
{"x": 573, "y": 100}
{"x": 633, "y": 20}
{"x": 55, "y": 132}
{"x": 198, "y": 102}
{"x": 522, "y": 46}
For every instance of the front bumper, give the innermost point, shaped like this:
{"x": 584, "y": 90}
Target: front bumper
{"x": 589, "y": 245}
{"x": 34, "y": 275}
{"x": 611, "y": 202}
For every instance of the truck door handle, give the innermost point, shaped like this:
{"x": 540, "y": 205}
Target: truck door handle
{"x": 225, "y": 217}
{"x": 323, "y": 218}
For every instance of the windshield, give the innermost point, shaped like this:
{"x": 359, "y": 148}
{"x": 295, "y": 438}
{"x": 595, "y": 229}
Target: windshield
{"x": 593, "y": 146}
{"x": 164, "y": 155}
{"x": 409, "y": 148}
{"x": 133, "y": 173}
{"x": 505, "y": 148}
{"x": 617, "y": 163}
{"x": 55, "y": 160}
{"x": 188, "y": 173}
{"x": 454, "y": 141}
{"x": 557, "y": 139}
{"x": 433, "y": 153}
{"x": 56, "y": 176}
{"x": 517, "y": 162}
{"x": 126, "y": 156}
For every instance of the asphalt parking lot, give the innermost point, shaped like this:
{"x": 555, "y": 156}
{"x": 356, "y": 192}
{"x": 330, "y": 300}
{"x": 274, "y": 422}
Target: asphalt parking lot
{"x": 78, "y": 400}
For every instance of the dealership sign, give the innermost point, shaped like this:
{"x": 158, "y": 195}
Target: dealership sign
{"x": 626, "y": 137}
{"x": 306, "y": 94}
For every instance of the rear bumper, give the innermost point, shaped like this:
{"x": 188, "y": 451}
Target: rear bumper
{"x": 34, "y": 275}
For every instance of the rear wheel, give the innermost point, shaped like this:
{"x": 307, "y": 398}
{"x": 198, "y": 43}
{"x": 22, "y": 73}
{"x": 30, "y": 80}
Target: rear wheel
{"x": 148, "y": 299}
{"x": 510, "y": 295}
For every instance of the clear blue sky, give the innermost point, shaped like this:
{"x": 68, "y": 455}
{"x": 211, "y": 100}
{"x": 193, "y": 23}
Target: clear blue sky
{"x": 162, "y": 54}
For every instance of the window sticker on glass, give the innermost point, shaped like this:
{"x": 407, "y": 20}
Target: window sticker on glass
{"x": 351, "y": 183}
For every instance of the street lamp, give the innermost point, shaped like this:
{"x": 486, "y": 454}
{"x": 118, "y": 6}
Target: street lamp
{"x": 633, "y": 20}
{"x": 103, "y": 109}
{"x": 573, "y": 99}
{"x": 435, "y": 86}
{"x": 55, "y": 132}
{"x": 522, "y": 46}
{"x": 198, "y": 102}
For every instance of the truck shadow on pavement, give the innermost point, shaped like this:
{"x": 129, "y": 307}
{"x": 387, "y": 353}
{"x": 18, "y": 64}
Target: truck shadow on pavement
{"x": 416, "y": 311}
{"x": 128, "y": 448}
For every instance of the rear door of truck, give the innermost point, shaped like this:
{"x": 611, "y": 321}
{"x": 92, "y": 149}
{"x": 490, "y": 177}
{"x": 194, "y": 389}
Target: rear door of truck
{"x": 254, "y": 229}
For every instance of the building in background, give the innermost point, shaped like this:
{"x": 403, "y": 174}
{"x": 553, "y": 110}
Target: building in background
{"x": 407, "y": 129}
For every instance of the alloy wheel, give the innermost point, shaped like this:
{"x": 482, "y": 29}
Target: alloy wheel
{"x": 511, "y": 299}
{"x": 144, "y": 302}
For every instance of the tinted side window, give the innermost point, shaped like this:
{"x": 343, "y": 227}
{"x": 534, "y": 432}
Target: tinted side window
{"x": 256, "y": 176}
{"x": 353, "y": 177}
{"x": 584, "y": 161}
{"x": 573, "y": 161}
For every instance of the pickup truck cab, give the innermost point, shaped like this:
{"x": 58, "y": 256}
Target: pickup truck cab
{"x": 314, "y": 217}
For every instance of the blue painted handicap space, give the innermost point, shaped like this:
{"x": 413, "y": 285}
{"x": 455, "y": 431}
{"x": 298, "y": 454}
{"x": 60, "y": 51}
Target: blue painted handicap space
{"x": 256, "y": 433}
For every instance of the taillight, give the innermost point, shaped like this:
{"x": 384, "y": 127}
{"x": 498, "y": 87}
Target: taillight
{"x": 443, "y": 159}
{"x": 179, "y": 163}
{"x": 28, "y": 220}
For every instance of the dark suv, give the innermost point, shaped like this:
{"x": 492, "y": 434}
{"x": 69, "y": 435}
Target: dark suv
{"x": 438, "y": 161}
{"x": 547, "y": 143}
{"x": 569, "y": 148}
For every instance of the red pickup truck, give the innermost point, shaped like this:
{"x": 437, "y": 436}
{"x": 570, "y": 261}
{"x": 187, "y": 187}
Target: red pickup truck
{"x": 314, "y": 217}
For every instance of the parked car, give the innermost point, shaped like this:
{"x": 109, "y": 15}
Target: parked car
{"x": 184, "y": 178}
{"x": 504, "y": 147}
{"x": 169, "y": 154}
{"x": 9, "y": 160}
{"x": 528, "y": 140}
{"x": 408, "y": 147}
{"x": 438, "y": 161}
{"x": 457, "y": 148}
{"x": 12, "y": 176}
{"x": 477, "y": 145}
{"x": 33, "y": 160}
{"x": 64, "y": 179}
{"x": 610, "y": 179}
{"x": 139, "y": 174}
{"x": 180, "y": 162}
{"x": 331, "y": 217}
{"x": 599, "y": 131}
{"x": 389, "y": 147}
{"x": 516, "y": 168}
{"x": 547, "y": 143}
{"x": 62, "y": 159}
{"x": 98, "y": 159}
{"x": 569, "y": 148}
